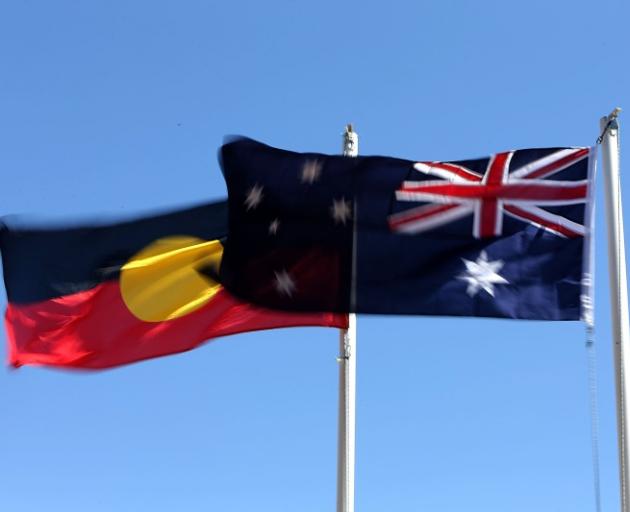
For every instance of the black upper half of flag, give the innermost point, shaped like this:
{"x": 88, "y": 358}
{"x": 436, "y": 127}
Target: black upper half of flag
{"x": 502, "y": 236}
{"x": 79, "y": 258}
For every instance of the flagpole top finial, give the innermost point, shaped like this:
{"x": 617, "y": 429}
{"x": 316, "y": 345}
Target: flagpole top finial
{"x": 350, "y": 141}
{"x": 608, "y": 123}
{"x": 614, "y": 114}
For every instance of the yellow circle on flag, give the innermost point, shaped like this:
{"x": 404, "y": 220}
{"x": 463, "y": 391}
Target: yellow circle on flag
{"x": 163, "y": 280}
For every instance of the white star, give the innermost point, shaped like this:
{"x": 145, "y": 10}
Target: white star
{"x": 254, "y": 197}
{"x": 311, "y": 171}
{"x": 482, "y": 274}
{"x": 284, "y": 283}
{"x": 340, "y": 210}
{"x": 273, "y": 226}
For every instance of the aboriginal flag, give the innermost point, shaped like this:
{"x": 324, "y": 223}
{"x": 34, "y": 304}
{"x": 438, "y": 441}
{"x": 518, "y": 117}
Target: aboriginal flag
{"x": 107, "y": 295}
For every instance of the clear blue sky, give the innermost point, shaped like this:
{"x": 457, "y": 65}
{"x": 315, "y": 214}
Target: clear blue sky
{"x": 111, "y": 108}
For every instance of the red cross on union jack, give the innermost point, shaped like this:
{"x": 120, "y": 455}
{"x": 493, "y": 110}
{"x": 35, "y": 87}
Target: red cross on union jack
{"x": 493, "y": 194}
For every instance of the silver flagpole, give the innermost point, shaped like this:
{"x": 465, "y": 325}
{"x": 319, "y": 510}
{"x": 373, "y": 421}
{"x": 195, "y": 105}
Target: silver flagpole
{"x": 347, "y": 373}
{"x": 618, "y": 291}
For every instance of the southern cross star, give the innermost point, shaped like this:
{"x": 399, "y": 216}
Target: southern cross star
{"x": 340, "y": 210}
{"x": 254, "y": 197}
{"x": 284, "y": 284}
{"x": 482, "y": 274}
{"x": 311, "y": 171}
{"x": 273, "y": 226}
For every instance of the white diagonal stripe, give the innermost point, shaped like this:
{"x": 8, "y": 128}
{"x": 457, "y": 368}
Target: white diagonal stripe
{"x": 547, "y": 160}
{"x": 433, "y": 183}
{"x": 550, "y": 217}
{"x": 425, "y": 168}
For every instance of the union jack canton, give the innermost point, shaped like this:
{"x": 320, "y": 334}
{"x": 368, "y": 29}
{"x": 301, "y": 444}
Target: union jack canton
{"x": 522, "y": 192}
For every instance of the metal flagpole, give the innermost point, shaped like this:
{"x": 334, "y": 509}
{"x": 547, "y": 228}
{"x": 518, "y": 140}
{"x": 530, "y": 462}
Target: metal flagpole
{"x": 618, "y": 291}
{"x": 347, "y": 373}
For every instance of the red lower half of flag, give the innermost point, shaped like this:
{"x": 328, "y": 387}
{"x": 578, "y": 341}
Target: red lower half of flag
{"x": 95, "y": 329}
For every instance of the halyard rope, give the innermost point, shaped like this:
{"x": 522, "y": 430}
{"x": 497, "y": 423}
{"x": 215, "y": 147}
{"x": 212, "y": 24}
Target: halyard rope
{"x": 594, "y": 410}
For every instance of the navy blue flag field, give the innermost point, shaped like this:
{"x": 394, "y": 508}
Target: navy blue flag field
{"x": 505, "y": 236}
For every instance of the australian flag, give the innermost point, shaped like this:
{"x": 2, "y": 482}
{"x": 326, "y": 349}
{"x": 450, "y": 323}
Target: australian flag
{"x": 504, "y": 236}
